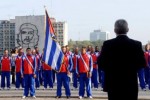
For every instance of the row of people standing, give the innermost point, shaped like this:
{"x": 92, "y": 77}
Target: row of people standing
{"x": 38, "y": 71}
{"x": 85, "y": 70}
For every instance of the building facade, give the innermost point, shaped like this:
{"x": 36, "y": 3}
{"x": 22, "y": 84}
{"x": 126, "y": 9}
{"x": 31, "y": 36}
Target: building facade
{"x": 99, "y": 35}
{"x": 7, "y": 35}
{"x": 61, "y": 31}
{"x": 29, "y": 31}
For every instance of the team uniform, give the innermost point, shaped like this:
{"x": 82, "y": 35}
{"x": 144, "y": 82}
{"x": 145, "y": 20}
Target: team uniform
{"x": 100, "y": 73}
{"x": 19, "y": 79}
{"x": 5, "y": 71}
{"x": 37, "y": 81}
{"x": 75, "y": 78}
{"x": 146, "y": 69}
{"x": 28, "y": 71}
{"x": 41, "y": 78}
{"x": 47, "y": 75}
{"x": 95, "y": 70}
{"x": 62, "y": 76}
{"x": 141, "y": 73}
{"x": 13, "y": 56}
{"x": 84, "y": 67}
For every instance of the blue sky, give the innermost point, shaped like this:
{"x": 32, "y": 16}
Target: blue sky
{"x": 84, "y": 16}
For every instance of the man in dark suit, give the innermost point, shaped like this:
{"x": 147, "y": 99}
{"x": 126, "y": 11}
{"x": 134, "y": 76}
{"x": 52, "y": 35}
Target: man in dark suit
{"x": 120, "y": 60}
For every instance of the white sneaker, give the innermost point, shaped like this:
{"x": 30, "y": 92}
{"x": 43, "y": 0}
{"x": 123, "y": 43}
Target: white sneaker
{"x": 23, "y": 97}
{"x": 144, "y": 89}
{"x": 37, "y": 88}
{"x": 95, "y": 89}
{"x": 74, "y": 88}
{"x": 51, "y": 88}
{"x": 34, "y": 97}
{"x": 80, "y": 97}
{"x": 90, "y": 97}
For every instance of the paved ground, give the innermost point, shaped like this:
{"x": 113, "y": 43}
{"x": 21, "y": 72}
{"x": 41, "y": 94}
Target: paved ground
{"x": 50, "y": 94}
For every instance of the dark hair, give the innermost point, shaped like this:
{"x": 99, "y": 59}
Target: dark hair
{"x": 83, "y": 47}
{"x": 35, "y": 47}
{"x": 5, "y": 50}
{"x": 121, "y": 26}
{"x": 67, "y": 45}
{"x": 63, "y": 47}
{"x": 28, "y": 49}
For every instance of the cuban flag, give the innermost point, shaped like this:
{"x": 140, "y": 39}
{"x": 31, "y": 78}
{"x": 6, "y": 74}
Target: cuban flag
{"x": 53, "y": 55}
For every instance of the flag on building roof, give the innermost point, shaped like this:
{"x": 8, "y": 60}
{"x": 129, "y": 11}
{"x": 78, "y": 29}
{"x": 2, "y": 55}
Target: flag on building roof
{"x": 53, "y": 54}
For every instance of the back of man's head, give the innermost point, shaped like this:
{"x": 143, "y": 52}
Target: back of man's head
{"x": 121, "y": 27}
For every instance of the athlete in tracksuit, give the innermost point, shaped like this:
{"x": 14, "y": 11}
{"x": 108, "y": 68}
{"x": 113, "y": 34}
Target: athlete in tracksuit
{"x": 69, "y": 53}
{"x": 37, "y": 82}
{"x": 40, "y": 68}
{"x": 84, "y": 70}
{"x": 63, "y": 75}
{"x": 5, "y": 70}
{"x": 95, "y": 68}
{"x": 28, "y": 72}
{"x": 74, "y": 59}
{"x": 141, "y": 72}
{"x": 146, "y": 69}
{"x": 18, "y": 62}
{"x": 100, "y": 73}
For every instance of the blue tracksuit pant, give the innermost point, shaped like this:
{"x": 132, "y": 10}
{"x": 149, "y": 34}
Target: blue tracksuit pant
{"x": 48, "y": 78}
{"x": 63, "y": 79}
{"x": 19, "y": 80}
{"x": 141, "y": 78}
{"x": 5, "y": 74}
{"x": 37, "y": 82}
{"x": 53, "y": 76}
{"x": 84, "y": 80}
{"x": 29, "y": 84}
{"x": 149, "y": 80}
{"x": 146, "y": 74}
{"x": 75, "y": 79}
{"x": 95, "y": 77}
{"x": 41, "y": 76}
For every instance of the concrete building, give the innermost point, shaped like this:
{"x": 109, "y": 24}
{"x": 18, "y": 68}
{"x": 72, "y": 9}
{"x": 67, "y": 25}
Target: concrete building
{"x": 61, "y": 30}
{"x": 29, "y": 31}
{"x": 99, "y": 35}
{"x": 7, "y": 35}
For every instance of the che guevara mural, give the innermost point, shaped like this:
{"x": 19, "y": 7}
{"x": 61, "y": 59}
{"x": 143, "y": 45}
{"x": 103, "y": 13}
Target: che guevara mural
{"x": 28, "y": 35}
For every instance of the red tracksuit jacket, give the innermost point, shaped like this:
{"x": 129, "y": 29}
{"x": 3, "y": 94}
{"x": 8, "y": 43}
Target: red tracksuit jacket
{"x": 94, "y": 58}
{"x": 147, "y": 57}
{"x": 74, "y": 59}
{"x": 18, "y": 62}
{"x": 26, "y": 66}
{"x": 81, "y": 67}
{"x": 5, "y": 63}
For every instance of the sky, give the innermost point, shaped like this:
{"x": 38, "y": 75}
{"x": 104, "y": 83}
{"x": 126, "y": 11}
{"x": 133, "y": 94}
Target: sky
{"x": 84, "y": 16}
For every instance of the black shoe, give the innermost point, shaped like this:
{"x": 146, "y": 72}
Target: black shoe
{"x": 58, "y": 97}
{"x": 68, "y": 97}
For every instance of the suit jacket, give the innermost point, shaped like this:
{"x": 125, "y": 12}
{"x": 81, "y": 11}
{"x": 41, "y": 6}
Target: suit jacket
{"x": 120, "y": 59}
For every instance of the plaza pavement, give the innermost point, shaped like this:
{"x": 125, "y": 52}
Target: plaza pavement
{"x": 48, "y": 94}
